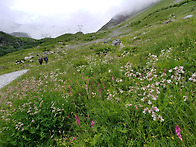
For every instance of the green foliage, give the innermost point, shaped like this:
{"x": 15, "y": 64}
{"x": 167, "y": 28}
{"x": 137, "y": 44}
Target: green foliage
{"x": 104, "y": 49}
{"x": 9, "y": 44}
{"x": 95, "y": 94}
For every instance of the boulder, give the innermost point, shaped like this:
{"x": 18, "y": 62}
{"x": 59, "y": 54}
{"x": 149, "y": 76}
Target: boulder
{"x": 28, "y": 58}
{"x": 116, "y": 42}
{"x": 188, "y": 16}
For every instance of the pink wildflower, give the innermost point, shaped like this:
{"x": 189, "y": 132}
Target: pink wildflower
{"x": 86, "y": 86}
{"x": 178, "y": 132}
{"x": 165, "y": 70}
{"x": 92, "y": 124}
{"x": 74, "y": 138}
{"x": 77, "y": 120}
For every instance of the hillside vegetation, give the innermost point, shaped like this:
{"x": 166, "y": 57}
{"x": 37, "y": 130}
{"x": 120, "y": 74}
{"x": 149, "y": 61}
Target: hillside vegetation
{"x": 92, "y": 93}
{"x": 9, "y": 44}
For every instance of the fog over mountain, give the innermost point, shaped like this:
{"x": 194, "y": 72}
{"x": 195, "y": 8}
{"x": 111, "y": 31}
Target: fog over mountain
{"x": 51, "y": 18}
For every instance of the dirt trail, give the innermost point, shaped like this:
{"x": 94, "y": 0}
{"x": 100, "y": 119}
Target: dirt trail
{"x": 7, "y": 78}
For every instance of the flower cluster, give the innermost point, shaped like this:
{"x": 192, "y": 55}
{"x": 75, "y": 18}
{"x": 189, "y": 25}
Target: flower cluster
{"x": 178, "y": 132}
{"x": 193, "y": 77}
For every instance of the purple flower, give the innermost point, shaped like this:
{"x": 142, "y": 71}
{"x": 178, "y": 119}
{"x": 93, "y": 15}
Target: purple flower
{"x": 92, "y": 124}
{"x": 178, "y": 132}
{"x": 77, "y": 120}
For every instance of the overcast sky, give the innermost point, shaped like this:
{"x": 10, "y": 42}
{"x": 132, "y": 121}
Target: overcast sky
{"x": 43, "y": 18}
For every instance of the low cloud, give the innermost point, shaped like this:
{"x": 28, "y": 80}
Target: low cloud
{"x": 44, "y": 23}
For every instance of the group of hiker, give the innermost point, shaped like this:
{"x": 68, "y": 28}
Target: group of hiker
{"x": 41, "y": 59}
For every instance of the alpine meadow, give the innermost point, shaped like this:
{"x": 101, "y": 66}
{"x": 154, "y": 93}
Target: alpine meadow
{"x": 132, "y": 84}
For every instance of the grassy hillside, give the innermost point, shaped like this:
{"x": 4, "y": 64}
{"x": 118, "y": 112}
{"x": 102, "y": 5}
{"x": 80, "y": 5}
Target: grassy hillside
{"x": 92, "y": 93}
{"x": 9, "y": 43}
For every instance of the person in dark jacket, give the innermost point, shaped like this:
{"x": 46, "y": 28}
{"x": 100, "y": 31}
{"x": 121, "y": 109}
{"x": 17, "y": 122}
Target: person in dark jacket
{"x": 46, "y": 59}
{"x": 40, "y": 60}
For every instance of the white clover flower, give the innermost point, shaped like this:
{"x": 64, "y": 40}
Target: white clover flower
{"x": 154, "y": 98}
{"x": 162, "y": 119}
{"x": 168, "y": 81}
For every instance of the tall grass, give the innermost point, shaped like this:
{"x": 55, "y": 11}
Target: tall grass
{"x": 101, "y": 95}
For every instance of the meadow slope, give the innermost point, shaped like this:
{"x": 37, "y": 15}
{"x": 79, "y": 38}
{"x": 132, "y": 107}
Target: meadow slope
{"x": 92, "y": 93}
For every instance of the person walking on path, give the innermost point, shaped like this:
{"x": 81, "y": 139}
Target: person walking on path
{"x": 40, "y": 60}
{"x": 46, "y": 59}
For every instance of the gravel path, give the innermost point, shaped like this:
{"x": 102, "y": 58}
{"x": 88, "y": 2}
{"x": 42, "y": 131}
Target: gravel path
{"x": 7, "y": 78}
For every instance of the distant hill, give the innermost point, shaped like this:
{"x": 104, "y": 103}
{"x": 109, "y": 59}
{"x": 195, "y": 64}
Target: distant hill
{"x": 20, "y": 34}
{"x": 9, "y": 43}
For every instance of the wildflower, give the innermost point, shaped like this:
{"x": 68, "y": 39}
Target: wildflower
{"x": 77, "y": 120}
{"x": 74, "y": 138}
{"x": 165, "y": 70}
{"x": 146, "y": 109}
{"x": 92, "y": 124}
{"x": 178, "y": 132}
{"x": 128, "y": 105}
{"x": 168, "y": 81}
{"x": 185, "y": 98}
{"x": 161, "y": 118}
{"x": 86, "y": 86}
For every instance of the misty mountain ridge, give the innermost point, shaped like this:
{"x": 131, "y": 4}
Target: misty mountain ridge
{"x": 123, "y": 16}
{"x": 20, "y": 34}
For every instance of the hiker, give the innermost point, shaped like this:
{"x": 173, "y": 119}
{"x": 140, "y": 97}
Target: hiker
{"x": 40, "y": 60}
{"x": 46, "y": 59}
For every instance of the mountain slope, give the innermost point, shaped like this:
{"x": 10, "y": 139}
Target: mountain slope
{"x": 121, "y": 17}
{"x": 20, "y": 34}
{"x": 9, "y": 43}
{"x": 92, "y": 93}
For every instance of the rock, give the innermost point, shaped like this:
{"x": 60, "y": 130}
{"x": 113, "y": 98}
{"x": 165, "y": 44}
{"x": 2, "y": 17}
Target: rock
{"x": 19, "y": 61}
{"x": 168, "y": 21}
{"x": 108, "y": 40}
{"x": 28, "y": 58}
{"x": 134, "y": 38}
{"x": 188, "y": 16}
{"x": 116, "y": 42}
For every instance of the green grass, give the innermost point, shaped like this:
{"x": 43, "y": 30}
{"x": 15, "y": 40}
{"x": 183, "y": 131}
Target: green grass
{"x": 136, "y": 96}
